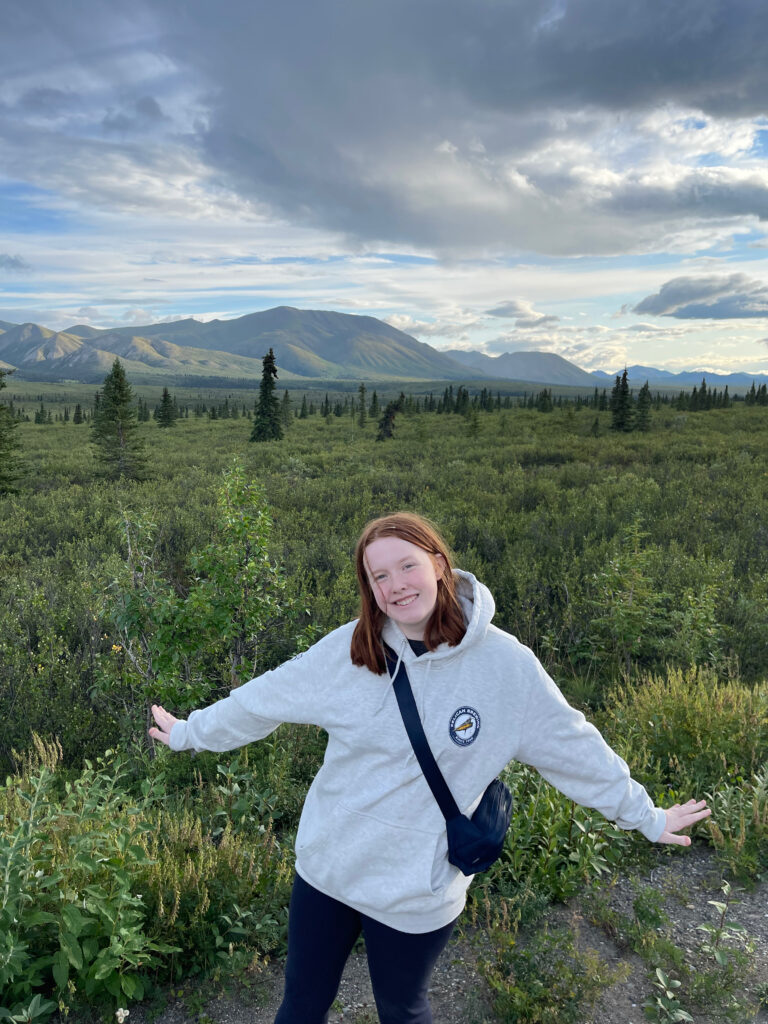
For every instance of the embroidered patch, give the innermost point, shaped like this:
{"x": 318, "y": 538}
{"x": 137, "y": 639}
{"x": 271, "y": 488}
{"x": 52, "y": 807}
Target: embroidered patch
{"x": 465, "y": 725}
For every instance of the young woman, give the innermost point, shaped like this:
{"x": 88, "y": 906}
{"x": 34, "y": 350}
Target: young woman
{"x": 371, "y": 850}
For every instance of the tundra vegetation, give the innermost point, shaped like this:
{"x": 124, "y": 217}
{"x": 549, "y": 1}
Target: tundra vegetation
{"x": 635, "y": 564}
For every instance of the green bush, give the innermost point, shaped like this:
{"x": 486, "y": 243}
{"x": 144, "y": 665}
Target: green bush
{"x": 553, "y": 847}
{"x": 106, "y": 885}
{"x": 739, "y": 826}
{"x": 547, "y": 980}
{"x": 687, "y": 732}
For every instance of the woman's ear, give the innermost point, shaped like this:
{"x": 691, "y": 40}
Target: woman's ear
{"x": 439, "y": 563}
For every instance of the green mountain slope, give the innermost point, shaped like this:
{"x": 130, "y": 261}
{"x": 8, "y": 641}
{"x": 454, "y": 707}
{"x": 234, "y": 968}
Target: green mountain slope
{"x": 307, "y": 344}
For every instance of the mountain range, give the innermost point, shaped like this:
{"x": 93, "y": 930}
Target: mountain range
{"x": 308, "y": 345}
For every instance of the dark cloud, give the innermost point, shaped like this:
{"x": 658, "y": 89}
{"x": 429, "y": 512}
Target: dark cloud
{"x": 337, "y": 112}
{"x": 45, "y": 101}
{"x": 524, "y": 315}
{"x": 507, "y": 309}
{"x": 536, "y": 321}
{"x": 13, "y": 263}
{"x": 139, "y": 115}
{"x": 734, "y": 296}
{"x": 423, "y": 123}
{"x": 708, "y": 192}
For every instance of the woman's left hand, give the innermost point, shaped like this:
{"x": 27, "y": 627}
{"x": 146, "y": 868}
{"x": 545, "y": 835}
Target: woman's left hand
{"x": 682, "y": 816}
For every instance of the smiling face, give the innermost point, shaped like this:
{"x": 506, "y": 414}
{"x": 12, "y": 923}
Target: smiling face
{"x": 403, "y": 578}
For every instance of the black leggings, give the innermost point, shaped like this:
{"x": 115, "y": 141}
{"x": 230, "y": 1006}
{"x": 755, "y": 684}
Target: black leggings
{"x": 321, "y": 934}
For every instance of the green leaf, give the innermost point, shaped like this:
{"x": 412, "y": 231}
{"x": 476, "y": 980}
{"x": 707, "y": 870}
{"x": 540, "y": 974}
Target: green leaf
{"x": 61, "y": 969}
{"x": 106, "y": 967}
{"x": 128, "y": 984}
{"x": 39, "y": 917}
{"x": 73, "y": 919}
{"x": 112, "y": 985}
{"x": 71, "y": 947}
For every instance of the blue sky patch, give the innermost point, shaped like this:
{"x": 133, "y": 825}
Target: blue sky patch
{"x": 24, "y": 208}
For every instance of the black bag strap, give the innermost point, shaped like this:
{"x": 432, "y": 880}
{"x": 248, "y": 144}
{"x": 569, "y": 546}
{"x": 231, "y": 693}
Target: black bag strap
{"x": 401, "y": 684}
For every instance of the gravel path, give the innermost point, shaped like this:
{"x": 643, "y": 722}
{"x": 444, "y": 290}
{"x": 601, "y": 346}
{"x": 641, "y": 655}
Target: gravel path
{"x": 460, "y": 996}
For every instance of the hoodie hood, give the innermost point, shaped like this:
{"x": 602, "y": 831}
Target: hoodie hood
{"x": 478, "y": 607}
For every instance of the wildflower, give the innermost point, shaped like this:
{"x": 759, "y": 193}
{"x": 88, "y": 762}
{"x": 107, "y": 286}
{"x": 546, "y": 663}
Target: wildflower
{"x": 39, "y": 874}
{"x": 116, "y": 648}
{"x": 121, "y": 1015}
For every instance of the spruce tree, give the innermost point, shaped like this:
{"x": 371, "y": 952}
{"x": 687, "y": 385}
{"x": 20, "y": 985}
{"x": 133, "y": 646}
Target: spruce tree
{"x": 362, "y": 412}
{"x": 621, "y": 404}
{"x": 387, "y": 423}
{"x": 285, "y": 410}
{"x": 166, "y": 414}
{"x": 115, "y": 428}
{"x": 10, "y": 463}
{"x": 643, "y": 415}
{"x": 78, "y": 415}
{"x": 266, "y": 417}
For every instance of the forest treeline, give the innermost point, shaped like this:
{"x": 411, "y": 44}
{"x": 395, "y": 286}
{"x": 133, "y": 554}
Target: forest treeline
{"x": 635, "y": 564}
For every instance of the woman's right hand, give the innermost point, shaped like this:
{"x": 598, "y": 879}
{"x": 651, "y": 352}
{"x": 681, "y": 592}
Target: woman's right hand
{"x": 163, "y": 724}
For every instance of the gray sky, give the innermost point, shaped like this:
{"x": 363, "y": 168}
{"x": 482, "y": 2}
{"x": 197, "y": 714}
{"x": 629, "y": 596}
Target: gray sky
{"x": 580, "y": 177}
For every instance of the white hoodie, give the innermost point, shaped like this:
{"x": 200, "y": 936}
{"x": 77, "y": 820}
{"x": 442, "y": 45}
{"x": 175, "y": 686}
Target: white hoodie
{"x": 371, "y": 834}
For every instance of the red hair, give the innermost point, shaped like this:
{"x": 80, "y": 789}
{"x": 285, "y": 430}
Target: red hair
{"x": 446, "y": 624}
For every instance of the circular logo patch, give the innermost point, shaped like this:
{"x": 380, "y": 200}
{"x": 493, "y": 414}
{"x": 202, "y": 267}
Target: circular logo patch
{"x": 465, "y": 725}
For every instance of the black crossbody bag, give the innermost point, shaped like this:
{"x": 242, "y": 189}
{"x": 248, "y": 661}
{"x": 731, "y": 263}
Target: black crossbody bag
{"x": 473, "y": 843}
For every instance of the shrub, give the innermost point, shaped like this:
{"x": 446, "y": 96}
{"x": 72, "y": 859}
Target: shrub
{"x": 553, "y": 847}
{"x": 102, "y": 889}
{"x": 547, "y": 980}
{"x": 687, "y": 733}
{"x": 739, "y": 826}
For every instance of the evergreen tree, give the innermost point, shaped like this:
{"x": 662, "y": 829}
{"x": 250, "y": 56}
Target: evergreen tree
{"x": 544, "y": 401}
{"x": 373, "y": 412}
{"x": 304, "y": 411}
{"x": 643, "y": 416}
{"x": 166, "y": 414}
{"x": 621, "y": 404}
{"x": 77, "y": 417}
{"x": 10, "y": 463}
{"x": 387, "y": 423}
{"x": 266, "y": 416}
{"x": 285, "y": 410}
{"x": 115, "y": 427}
{"x": 363, "y": 410}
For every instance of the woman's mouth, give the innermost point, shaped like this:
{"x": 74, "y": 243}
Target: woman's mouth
{"x": 403, "y": 602}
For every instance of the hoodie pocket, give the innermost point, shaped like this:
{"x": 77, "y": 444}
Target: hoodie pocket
{"x": 373, "y": 864}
